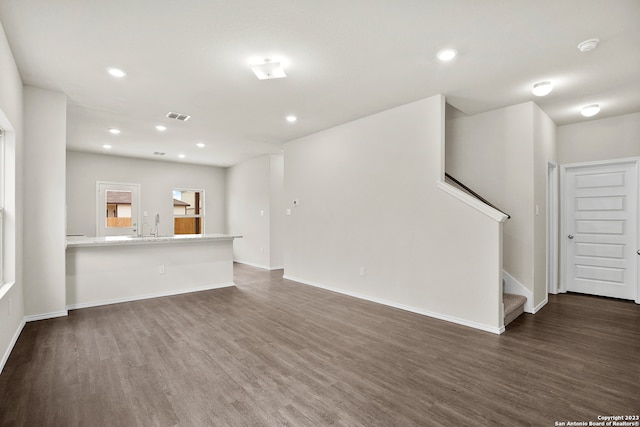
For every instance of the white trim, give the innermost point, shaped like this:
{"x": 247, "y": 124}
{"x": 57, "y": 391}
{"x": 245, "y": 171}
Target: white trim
{"x": 12, "y": 344}
{"x": 45, "y": 316}
{"x": 539, "y": 306}
{"x": 513, "y": 286}
{"x": 439, "y": 316}
{"x": 148, "y": 296}
{"x": 472, "y": 201}
{"x": 263, "y": 267}
{"x": 553, "y": 212}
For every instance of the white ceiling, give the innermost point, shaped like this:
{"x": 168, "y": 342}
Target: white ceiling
{"x": 346, "y": 59}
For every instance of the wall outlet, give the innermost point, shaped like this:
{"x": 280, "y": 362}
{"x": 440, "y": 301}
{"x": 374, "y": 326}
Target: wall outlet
{"x": 161, "y": 269}
{"x": 362, "y": 271}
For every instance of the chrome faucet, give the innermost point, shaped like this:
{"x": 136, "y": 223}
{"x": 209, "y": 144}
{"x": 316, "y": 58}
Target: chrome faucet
{"x": 155, "y": 228}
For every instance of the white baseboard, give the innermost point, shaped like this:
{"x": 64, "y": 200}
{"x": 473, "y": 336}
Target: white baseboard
{"x": 539, "y": 306}
{"x": 45, "y": 316}
{"x": 512, "y": 286}
{"x": 148, "y": 296}
{"x": 427, "y": 313}
{"x": 263, "y": 267}
{"x": 12, "y": 344}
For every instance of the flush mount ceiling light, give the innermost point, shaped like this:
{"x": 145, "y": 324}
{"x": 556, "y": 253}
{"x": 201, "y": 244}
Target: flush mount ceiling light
{"x": 116, "y": 72}
{"x": 542, "y": 88}
{"x": 291, "y": 119}
{"x": 161, "y": 128}
{"x": 268, "y": 70}
{"x": 588, "y": 45}
{"x": 182, "y": 156}
{"x": 200, "y": 145}
{"x": 106, "y": 146}
{"x": 114, "y": 131}
{"x": 446, "y": 55}
{"x": 590, "y": 110}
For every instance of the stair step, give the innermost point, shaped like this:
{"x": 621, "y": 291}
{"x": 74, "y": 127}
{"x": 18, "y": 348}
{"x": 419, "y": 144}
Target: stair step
{"x": 513, "y": 307}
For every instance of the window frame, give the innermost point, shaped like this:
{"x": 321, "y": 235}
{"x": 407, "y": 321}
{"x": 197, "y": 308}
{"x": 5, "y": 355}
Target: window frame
{"x": 200, "y": 208}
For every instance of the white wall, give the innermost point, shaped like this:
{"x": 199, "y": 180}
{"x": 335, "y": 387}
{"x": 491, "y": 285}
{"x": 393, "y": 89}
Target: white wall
{"x": 492, "y": 153}
{"x": 45, "y": 130}
{"x": 11, "y": 120}
{"x": 369, "y": 198}
{"x": 157, "y": 181}
{"x": 545, "y": 151}
{"x": 277, "y": 212}
{"x": 502, "y": 155}
{"x": 254, "y": 210}
{"x": 604, "y": 139}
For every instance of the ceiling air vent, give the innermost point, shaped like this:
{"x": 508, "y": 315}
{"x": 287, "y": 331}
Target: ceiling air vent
{"x": 158, "y": 153}
{"x": 178, "y": 116}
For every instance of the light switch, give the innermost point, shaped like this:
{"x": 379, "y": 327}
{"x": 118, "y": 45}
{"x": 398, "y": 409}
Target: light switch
{"x": 261, "y": 213}
{"x": 288, "y": 211}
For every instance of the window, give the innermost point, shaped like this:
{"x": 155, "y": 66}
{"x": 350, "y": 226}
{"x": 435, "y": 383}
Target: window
{"x": 188, "y": 211}
{"x": 117, "y": 209}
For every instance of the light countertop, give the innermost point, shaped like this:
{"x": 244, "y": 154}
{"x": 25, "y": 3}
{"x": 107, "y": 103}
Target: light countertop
{"x": 84, "y": 241}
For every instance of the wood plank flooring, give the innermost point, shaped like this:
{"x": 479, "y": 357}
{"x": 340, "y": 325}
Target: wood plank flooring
{"x": 271, "y": 352}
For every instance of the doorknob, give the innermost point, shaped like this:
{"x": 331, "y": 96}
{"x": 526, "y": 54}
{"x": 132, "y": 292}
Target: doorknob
{"x": 570, "y": 236}
{"x": 638, "y": 252}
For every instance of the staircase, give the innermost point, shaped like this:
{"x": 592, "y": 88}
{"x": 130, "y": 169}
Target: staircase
{"x": 513, "y": 307}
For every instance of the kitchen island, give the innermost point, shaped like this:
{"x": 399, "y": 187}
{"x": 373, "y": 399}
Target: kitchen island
{"x": 113, "y": 269}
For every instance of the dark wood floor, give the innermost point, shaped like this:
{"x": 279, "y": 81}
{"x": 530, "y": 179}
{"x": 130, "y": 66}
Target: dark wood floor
{"x": 273, "y": 352}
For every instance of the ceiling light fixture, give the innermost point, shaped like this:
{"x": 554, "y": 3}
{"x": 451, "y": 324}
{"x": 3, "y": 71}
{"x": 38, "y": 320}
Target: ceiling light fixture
{"x": 588, "y": 45}
{"x": 116, "y": 72}
{"x": 161, "y": 128}
{"x": 200, "y": 145}
{"x": 542, "y": 88}
{"x": 268, "y": 70}
{"x": 182, "y": 156}
{"x": 446, "y": 55}
{"x": 114, "y": 131}
{"x": 106, "y": 146}
{"x": 590, "y": 110}
{"x": 291, "y": 119}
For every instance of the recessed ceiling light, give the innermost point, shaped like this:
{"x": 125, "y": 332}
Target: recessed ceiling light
{"x": 161, "y": 128}
{"x": 268, "y": 70}
{"x": 588, "y": 45}
{"x": 114, "y": 131}
{"x": 116, "y": 72}
{"x": 106, "y": 146}
{"x": 447, "y": 54}
{"x": 542, "y": 88}
{"x": 182, "y": 156}
{"x": 590, "y": 110}
{"x": 291, "y": 119}
{"x": 200, "y": 145}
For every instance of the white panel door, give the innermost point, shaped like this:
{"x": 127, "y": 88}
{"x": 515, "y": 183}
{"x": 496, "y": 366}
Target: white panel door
{"x": 117, "y": 209}
{"x": 600, "y": 216}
